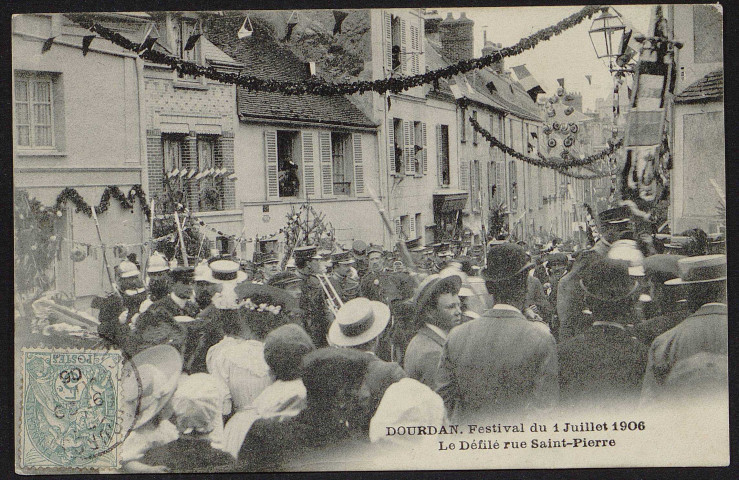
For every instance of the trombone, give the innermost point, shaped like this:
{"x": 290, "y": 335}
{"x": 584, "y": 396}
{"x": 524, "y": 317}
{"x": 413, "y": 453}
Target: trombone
{"x": 333, "y": 300}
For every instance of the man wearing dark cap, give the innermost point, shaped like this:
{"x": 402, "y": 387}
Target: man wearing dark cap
{"x": 181, "y": 300}
{"x": 312, "y": 297}
{"x": 439, "y": 311}
{"x": 343, "y": 276}
{"x": 670, "y": 304}
{"x": 572, "y": 321}
{"x": 270, "y": 266}
{"x": 605, "y": 362}
{"x": 332, "y": 379}
{"x": 359, "y": 252}
{"x": 501, "y": 362}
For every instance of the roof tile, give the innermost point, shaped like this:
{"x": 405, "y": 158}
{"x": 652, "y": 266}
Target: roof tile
{"x": 710, "y": 87}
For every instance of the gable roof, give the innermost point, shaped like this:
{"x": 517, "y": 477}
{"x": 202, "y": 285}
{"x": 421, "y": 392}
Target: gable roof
{"x": 265, "y": 58}
{"x": 708, "y": 88}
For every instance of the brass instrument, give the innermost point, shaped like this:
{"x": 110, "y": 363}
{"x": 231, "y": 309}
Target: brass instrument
{"x": 333, "y": 300}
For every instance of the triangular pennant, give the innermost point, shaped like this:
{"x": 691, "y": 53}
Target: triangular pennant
{"x": 86, "y": 41}
{"x": 47, "y": 45}
{"x": 175, "y": 172}
{"x": 183, "y": 172}
{"x": 232, "y": 176}
{"x": 192, "y": 41}
{"x": 339, "y": 17}
{"x": 561, "y": 82}
{"x": 245, "y": 31}
{"x": 148, "y": 44}
{"x": 192, "y": 173}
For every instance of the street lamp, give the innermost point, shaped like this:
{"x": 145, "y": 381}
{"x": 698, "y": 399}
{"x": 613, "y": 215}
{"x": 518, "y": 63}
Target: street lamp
{"x": 606, "y": 35}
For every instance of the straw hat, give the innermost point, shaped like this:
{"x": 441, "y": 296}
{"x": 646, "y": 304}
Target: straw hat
{"x": 700, "y": 269}
{"x": 128, "y": 269}
{"x": 157, "y": 263}
{"x": 357, "y": 322}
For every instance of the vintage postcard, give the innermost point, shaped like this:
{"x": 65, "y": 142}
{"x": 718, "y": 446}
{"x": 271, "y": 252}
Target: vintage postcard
{"x": 370, "y": 239}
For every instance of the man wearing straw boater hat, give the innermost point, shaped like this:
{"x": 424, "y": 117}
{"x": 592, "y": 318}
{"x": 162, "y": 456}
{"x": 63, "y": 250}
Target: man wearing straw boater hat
{"x": 570, "y": 305}
{"x": 706, "y": 330}
{"x": 501, "y": 362}
{"x": 359, "y": 325}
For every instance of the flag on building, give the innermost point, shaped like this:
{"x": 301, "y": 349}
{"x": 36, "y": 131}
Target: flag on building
{"x": 527, "y": 81}
{"x": 590, "y": 79}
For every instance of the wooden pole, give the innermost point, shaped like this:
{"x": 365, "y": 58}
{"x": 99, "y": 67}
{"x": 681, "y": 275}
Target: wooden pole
{"x": 105, "y": 257}
{"x": 182, "y": 239}
{"x": 405, "y": 254}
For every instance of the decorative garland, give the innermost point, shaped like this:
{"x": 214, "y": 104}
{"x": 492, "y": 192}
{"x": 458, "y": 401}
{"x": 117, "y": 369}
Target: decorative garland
{"x": 317, "y": 86}
{"x": 540, "y": 162}
{"x": 72, "y": 195}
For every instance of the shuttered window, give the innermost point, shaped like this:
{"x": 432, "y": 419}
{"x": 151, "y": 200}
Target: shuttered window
{"x": 358, "y": 164}
{"x": 327, "y": 163}
{"x": 409, "y": 148}
{"x": 387, "y": 22}
{"x": 309, "y": 167}
{"x": 415, "y": 51}
{"x": 442, "y": 155}
{"x": 270, "y": 149}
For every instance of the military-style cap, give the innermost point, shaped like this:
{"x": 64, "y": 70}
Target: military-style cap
{"x": 359, "y": 247}
{"x": 374, "y": 249}
{"x": 307, "y": 252}
{"x": 344, "y": 258}
{"x": 615, "y": 215}
{"x": 270, "y": 257}
{"x": 184, "y": 275}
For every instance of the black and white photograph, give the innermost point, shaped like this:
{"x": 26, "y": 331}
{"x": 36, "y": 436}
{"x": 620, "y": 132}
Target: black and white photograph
{"x": 378, "y": 239}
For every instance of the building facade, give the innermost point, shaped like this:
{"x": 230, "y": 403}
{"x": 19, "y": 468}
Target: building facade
{"x": 79, "y": 123}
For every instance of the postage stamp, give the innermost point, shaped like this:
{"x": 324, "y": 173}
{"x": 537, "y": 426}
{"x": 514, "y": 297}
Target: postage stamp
{"x": 70, "y": 408}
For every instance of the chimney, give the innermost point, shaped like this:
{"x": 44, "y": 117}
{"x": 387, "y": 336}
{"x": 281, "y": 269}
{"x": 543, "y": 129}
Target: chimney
{"x": 488, "y": 49}
{"x": 457, "y": 39}
{"x": 431, "y": 28}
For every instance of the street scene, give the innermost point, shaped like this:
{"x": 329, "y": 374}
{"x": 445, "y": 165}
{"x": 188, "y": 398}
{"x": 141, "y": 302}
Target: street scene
{"x": 306, "y": 240}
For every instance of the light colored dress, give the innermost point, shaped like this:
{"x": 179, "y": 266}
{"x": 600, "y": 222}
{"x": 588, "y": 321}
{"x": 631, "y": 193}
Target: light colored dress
{"x": 145, "y": 437}
{"x": 240, "y": 364}
{"x": 281, "y": 399}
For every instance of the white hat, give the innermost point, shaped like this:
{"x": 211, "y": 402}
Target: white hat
{"x": 128, "y": 269}
{"x": 406, "y": 402}
{"x": 202, "y": 273}
{"x": 157, "y": 370}
{"x": 226, "y": 271}
{"x": 627, "y": 252}
{"x": 200, "y": 401}
{"x": 157, "y": 263}
{"x": 357, "y": 322}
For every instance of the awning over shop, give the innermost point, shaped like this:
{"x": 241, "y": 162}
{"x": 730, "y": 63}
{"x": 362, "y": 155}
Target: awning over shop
{"x": 449, "y": 201}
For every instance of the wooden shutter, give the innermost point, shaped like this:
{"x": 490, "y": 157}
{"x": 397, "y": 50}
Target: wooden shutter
{"x": 398, "y": 227}
{"x": 270, "y": 148}
{"x": 424, "y": 153}
{"x": 412, "y": 227}
{"x": 473, "y": 186}
{"x": 388, "y": 27}
{"x": 391, "y": 144}
{"x": 358, "y": 164}
{"x": 415, "y": 58}
{"x": 309, "y": 167}
{"x": 408, "y": 147}
{"x": 439, "y": 156}
{"x": 327, "y": 166}
{"x": 464, "y": 174}
{"x": 403, "y": 48}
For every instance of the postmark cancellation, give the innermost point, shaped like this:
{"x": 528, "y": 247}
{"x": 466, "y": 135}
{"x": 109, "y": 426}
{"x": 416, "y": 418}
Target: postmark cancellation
{"x": 70, "y": 409}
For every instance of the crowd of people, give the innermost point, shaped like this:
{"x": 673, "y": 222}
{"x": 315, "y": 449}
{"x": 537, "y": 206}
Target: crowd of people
{"x": 258, "y": 371}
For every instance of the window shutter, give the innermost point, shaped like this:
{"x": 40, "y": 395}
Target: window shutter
{"x": 408, "y": 147}
{"x": 403, "y": 48}
{"x": 464, "y": 174}
{"x": 391, "y": 145}
{"x": 388, "y": 27}
{"x": 270, "y": 148}
{"x": 398, "y": 227}
{"x": 412, "y": 227}
{"x": 424, "y": 154}
{"x": 439, "y": 156}
{"x": 415, "y": 58}
{"x": 473, "y": 186}
{"x": 327, "y": 166}
{"x": 358, "y": 164}
{"x": 309, "y": 168}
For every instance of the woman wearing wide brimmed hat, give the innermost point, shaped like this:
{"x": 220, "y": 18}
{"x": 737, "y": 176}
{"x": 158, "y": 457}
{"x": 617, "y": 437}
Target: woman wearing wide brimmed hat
{"x": 706, "y": 330}
{"x": 148, "y": 382}
{"x": 250, "y": 313}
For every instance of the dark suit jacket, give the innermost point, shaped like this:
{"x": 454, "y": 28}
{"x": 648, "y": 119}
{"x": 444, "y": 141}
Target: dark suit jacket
{"x": 603, "y": 363}
{"x": 649, "y": 330}
{"x": 707, "y": 330}
{"x": 498, "y": 363}
{"x": 422, "y": 356}
{"x": 570, "y": 302}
